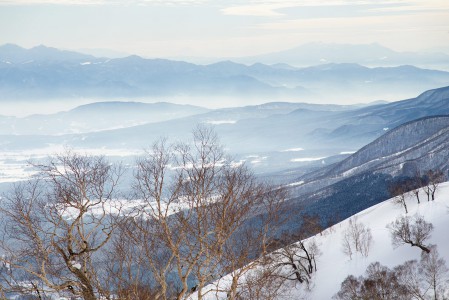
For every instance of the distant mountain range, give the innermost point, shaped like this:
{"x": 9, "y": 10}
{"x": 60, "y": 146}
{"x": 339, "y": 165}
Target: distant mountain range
{"x": 44, "y": 73}
{"x": 13, "y": 54}
{"x": 366, "y": 54}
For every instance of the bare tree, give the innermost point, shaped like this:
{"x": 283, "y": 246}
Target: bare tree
{"x": 410, "y": 277}
{"x": 411, "y": 230}
{"x": 347, "y": 244}
{"x": 426, "y": 279}
{"x": 356, "y": 238}
{"x": 435, "y": 273}
{"x": 248, "y": 249}
{"x": 398, "y": 190}
{"x": 379, "y": 282}
{"x": 129, "y": 271}
{"x": 296, "y": 262}
{"x": 434, "y": 178}
{"x": 415, "y": 185}
{"x": 54, "y": 227}
{"x": 202, "y": 217}
{"x": 350, "y": 289}
{"x": 259, "y": 284}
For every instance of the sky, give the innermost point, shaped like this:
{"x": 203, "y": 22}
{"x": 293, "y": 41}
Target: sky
{"x": 219, "y": 28}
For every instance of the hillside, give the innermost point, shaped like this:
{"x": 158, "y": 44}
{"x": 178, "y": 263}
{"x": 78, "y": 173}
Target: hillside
{"x": 333, "y": 266}
{"x": 424, "y": 147}
{"x": 339, "y": 190}
{"x": 95, "y": 117}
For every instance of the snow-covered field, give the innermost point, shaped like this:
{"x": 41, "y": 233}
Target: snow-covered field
{"x": 333, "y": 266}
{"x": 14, "y": 165}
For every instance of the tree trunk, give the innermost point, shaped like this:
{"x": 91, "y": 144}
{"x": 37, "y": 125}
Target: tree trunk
{"x": 88, "y": 294}
{"x": 435, "y": 288}
{"x": 232, "y": 294}
{"x": 184, "y": 290}
{"x": 422, "y": 247}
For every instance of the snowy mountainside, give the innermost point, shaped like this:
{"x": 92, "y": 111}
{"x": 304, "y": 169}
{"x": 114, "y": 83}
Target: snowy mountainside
{"x": 333, "y": 265}
{"x": 418, "y": 145}
{"x": 429, "y": 103}
{"x": 363, "y": 179}
{"x": 410, "y": 142}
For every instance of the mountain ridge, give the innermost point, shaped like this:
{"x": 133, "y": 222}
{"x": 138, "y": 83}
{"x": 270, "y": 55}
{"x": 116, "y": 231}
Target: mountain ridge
{"x": 372, "y": 54}
{"x": 43, "y": 75}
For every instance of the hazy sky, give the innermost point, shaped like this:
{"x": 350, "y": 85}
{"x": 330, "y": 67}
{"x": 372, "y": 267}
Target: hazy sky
{"x": 219, "y": 28}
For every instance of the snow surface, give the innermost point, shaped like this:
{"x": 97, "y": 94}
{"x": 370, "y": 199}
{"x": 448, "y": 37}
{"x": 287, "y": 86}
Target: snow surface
{"x": 296, "y": 183}
{"x": 293, "y": 150}
{"x": 348, "y": 152}
{"x": 333, "y": 266}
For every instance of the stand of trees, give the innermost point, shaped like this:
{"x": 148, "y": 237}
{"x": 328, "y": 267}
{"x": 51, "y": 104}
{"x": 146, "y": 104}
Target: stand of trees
{"x": 200, "y": 216}
{"x": 426, "y": 279}
{"x": 426, "y": 182}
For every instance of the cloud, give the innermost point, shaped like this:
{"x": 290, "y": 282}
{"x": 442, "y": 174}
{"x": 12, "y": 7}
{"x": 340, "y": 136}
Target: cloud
{"x": 414, "y": 6}
{"x": 61, "y": 2}
{"x": 250, "y": 10}
{"x": 378, "y": 22}
{"x": 271, "y": 8}
{"x": 103, "y": 2}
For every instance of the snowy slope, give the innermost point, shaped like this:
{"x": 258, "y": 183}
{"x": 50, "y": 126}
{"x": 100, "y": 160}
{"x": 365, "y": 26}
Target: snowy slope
{"x": 334, "y": 266}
